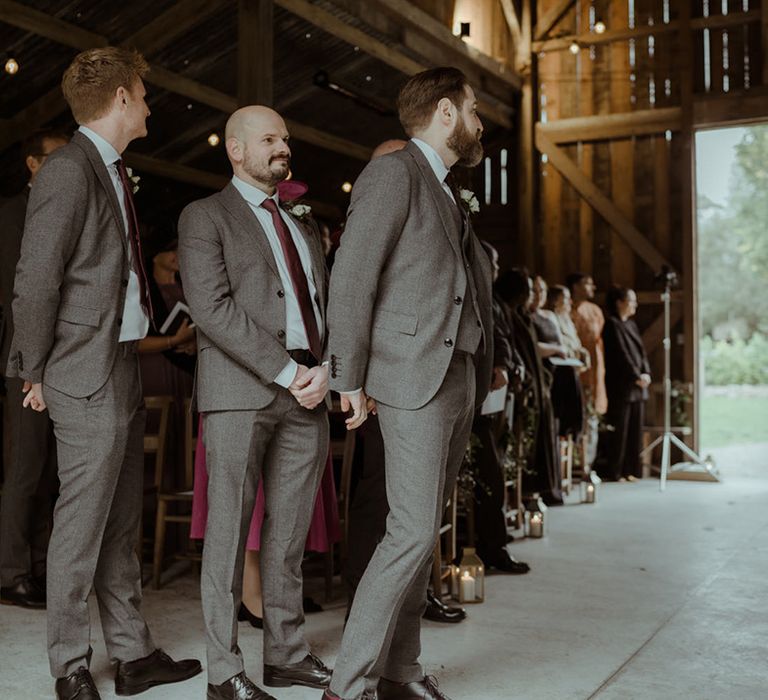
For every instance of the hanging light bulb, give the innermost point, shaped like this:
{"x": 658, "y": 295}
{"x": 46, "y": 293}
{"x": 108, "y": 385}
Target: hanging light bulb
{"x": 11, "y": 66}
{"x": 346, "y": 187}
{"x": 213, "y": 139}
{"x": 574, "y": 48}
{"x": 599, "y": 27}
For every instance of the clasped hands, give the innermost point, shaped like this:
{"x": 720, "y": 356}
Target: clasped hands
{"x": 33, "y": 397}
{"x": 310, "y": 385}
{"x": 644, "y": 382}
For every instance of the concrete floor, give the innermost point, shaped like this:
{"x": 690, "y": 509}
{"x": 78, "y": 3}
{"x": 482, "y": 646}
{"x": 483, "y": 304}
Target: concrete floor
{"x": 643, "y": 596}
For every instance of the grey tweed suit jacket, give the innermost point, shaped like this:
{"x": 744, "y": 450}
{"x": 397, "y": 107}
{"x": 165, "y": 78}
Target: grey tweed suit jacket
{"x": 237, "y": 301}
{"x": 72, "y": 276}
{"x": 398, "y": 284}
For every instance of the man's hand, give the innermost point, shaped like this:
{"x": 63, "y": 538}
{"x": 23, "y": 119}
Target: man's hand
{"x": 360, "y": 405}
{"x": 34, "y": 397}
{"x": 310, "y": 387}
{"x": 644, "y": 382}
{"x": 499, "y": 378}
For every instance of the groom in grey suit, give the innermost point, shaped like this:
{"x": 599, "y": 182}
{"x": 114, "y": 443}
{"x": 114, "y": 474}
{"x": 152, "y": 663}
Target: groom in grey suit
{"x": 80, "y": 307}
{"x": 409, "y": 324}
{"x": 255, "y": 279}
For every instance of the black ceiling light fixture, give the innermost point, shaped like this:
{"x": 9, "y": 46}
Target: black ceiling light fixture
{"x": 322, "y": 80}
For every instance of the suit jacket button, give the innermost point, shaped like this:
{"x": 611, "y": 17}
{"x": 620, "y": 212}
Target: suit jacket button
{"x": 280, "y": 293}
{"x": 448, "y": 343}
{"x": 457, "y": 300}
{"x": 333, "y": 374}
{"x": 281, "y": 334}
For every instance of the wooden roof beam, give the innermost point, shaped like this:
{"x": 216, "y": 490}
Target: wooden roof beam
{"x": 551, "y": 18}
{"x": 612, "y": 126}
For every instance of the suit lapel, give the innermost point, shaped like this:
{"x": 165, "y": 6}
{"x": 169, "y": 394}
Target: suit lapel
{"x": 100, "y": 169}
{"x": 239, "y": 208}
{"x": 438, "y": 195}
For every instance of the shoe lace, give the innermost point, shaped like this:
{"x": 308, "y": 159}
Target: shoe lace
{"x": 431, "y": 683}
{"x": 84, "y": 679}
{"x": 318, "y": 663}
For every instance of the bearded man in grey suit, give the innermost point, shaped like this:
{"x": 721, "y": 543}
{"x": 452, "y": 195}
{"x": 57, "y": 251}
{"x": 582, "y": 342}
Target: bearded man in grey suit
{"x": 80, "y": 305}
{"x": 409, "y": 324}
{"x": 255, "y": 280}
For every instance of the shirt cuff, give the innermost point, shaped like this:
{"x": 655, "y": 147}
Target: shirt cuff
{"x": 288, "y": 374}
{"x": 353, "y": 392}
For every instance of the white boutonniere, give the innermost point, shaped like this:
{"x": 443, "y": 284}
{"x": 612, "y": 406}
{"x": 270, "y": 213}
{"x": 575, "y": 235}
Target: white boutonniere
{"x": 134, "y": 179}
{"x": 469, "y": 201}
{"x": 300, "y": 211}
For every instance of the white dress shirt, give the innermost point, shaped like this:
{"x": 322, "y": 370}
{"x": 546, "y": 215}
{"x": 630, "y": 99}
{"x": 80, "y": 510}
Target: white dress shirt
{"x": 436, "y": 163}
{"x": 295, "y": 333}
{"x": 135, "y": 321}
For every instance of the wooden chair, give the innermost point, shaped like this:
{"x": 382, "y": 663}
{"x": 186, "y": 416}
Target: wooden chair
{"x": 442, "y": 562}
{"x": 181, "y": 496}
{"x": 567, "y": 451}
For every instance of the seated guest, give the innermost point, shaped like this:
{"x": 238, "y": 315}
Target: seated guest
{"x": 627, "y": 378}
{"x": 30, "y": 473}
{"x": 566, "y": 390}
{"x": 559, "y": 302}
{"x": 515, "y": 288}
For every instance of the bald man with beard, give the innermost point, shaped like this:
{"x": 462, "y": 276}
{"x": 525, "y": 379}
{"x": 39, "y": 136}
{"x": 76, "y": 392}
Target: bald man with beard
{"x": 255, "y": 280}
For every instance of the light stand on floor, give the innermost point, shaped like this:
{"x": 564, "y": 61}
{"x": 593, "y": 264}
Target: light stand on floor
{"x": 697, "y": 469}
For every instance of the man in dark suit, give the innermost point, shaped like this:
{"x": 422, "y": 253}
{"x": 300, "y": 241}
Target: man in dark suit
{"x": 80, "y": 306}
{"x": 30, "y": 475}
{"x": 410, "y": 329}
{"x": 255, "y": 278}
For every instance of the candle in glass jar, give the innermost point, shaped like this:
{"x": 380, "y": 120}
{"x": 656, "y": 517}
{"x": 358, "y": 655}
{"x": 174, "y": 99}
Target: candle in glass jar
{"x": 536, "y": 525}
{"x": 590, "y": 493}
{"x": 467, "y": 587}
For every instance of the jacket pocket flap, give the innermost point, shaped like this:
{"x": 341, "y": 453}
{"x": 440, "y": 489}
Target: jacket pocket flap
{"x": 402, "y": 323}
{"x": 79, "y": 314}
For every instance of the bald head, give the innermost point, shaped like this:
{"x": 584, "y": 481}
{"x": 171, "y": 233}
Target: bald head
{"x": 257, "y": 146}
{"x": 388, "y": 147}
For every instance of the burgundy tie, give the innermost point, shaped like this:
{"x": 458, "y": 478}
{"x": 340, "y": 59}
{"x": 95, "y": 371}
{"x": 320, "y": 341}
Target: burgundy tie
{"x": 135, "y": 241}
{"x": 298, "y": 277}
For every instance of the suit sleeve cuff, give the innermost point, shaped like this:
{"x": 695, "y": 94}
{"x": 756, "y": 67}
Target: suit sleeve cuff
{"x": 287, "y": 375}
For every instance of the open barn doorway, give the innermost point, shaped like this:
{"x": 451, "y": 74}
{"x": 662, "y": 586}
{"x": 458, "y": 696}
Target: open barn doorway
{"x": 732, "y": 235}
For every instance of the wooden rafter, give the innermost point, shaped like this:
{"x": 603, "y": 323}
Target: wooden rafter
{"x": 52, "y": 104}
{"x": 255, "y": 52}
{"x": 314, "y": 14}
{"x": 611, "y": 126}
{"x": 551, "y": 18}
{"x": 563, "y": 43}
{"x": 602, "y": 204}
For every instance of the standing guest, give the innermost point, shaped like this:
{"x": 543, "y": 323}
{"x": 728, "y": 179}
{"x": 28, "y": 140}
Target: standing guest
{"x": 627, "y": 378}
{"x": 81, "y": 304}
{"x": 589, "y": 321}
{"x": 368, "y": 508}
{"x": 255, "y": 279}
{"x": 515, "y": 288}
{"x": 559, "y": 302}
{"x": 30, "y": 474}
{"x": 410, "y": 327}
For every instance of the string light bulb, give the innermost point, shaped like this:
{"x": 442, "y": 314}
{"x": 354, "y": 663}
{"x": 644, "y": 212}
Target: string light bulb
{"x": 213, "y": 139}
{"x": 574, "y": 48}
{"x": 599, "y": 27}
{"x": 11, "y": 66}
{"x": 346, "y": 187}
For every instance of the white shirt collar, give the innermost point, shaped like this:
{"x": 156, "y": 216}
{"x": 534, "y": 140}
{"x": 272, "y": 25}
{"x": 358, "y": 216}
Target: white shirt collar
{"x": 252, "y": 195}
{"x": 106, "y": 150}
{"x": 433, "y": 158}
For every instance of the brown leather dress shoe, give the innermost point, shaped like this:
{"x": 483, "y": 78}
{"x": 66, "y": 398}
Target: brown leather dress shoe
{"x": 425, "y": 689}
{"x": 26, "y": 592}
{"x": 239, "y": 687}
{"x": 310, "y": 672}
{"x": 133, "y": 677}
{"x": 77, "y": 686}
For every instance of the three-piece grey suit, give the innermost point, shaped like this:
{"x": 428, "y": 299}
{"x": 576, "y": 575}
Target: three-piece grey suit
{"x": 253, "y": 428}
{"x": 409, "y": 320}
{"x": 30, "y": 475}
{"x": 70, "y": 289}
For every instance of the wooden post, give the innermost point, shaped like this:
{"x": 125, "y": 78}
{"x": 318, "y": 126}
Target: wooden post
{"x": 255, "y": 52}
{"x": 527, "y": 166}
{"x": 586, "y": 150}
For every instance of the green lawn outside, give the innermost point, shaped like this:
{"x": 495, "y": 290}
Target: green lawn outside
{"x": 730, "y": 420}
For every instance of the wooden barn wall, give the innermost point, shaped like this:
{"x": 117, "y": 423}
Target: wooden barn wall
{"x": 641, "y": 174}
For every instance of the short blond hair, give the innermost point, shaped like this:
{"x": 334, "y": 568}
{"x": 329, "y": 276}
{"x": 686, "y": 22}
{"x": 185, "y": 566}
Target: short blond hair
{"x": 90, "y": 82}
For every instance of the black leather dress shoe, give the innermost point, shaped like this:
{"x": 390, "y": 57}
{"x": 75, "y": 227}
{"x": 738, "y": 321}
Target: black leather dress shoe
{"x": 418, "y": 690}
{"x": 245, "y": 615}
{"x": 25, "y": 592}
{"x": 77, "y": 686}
{"x": 437, "y": 611}
{"x": 310, "y": 672}
{"x": 133, "y": 677}
{"x": 239, "y": 687}
{"x": 505, "y": 564}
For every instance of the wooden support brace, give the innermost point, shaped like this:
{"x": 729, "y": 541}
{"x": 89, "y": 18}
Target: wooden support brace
{"x": 551, "y": 18}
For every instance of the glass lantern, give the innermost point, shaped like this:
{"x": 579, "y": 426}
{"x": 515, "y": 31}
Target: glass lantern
{"x": 468, "y": 578}
{"x": 536, "y": 518}
{"x": 589, "y": 487}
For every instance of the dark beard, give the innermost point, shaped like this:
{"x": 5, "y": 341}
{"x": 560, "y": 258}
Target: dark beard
{"x": 465, "y": 145}
{"x": 265, "y": 174}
